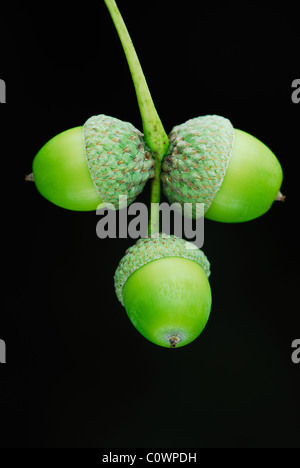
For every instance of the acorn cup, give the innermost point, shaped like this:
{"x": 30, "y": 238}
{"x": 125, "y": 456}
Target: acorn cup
{"x": 233, "y": 174}
{"x": 163, "y": 284}
{"x": 84, "y": 167}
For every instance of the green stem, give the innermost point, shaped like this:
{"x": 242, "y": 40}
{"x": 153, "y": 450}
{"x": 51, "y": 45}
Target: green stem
{"x": 155, "y": 201}
{"x": 154, "y": 132}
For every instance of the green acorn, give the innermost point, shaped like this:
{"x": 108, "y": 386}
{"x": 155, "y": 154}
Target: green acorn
{"x": 86, "y": 166}
{"x": 235, "y": 175}
{"x": 163, "y": 284}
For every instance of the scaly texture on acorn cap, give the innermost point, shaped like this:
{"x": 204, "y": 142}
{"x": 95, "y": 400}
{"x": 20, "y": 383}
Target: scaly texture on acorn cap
{"x": 195, "y": 165}
{"x": 147, "y": 250}
{"x": 119, "y": 161}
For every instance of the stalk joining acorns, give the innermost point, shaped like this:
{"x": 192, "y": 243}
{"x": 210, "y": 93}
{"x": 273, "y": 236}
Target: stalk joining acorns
{"x": 161, "y": 281}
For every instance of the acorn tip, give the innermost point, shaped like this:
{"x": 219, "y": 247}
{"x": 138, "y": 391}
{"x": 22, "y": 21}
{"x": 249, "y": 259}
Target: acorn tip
{"x": 280, "y": 197}
{"x": 29, "y": 178}
{"x": 173, "y": 341}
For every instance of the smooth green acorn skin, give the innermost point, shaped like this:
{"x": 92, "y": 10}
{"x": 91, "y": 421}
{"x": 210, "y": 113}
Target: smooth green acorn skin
{"x": 251, "y": 183}
{"x": 168, "y": 297}
{"x": 61, "y": 173}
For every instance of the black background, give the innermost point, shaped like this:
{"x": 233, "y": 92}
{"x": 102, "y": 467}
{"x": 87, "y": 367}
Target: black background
{"x": 78, "y": 374}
